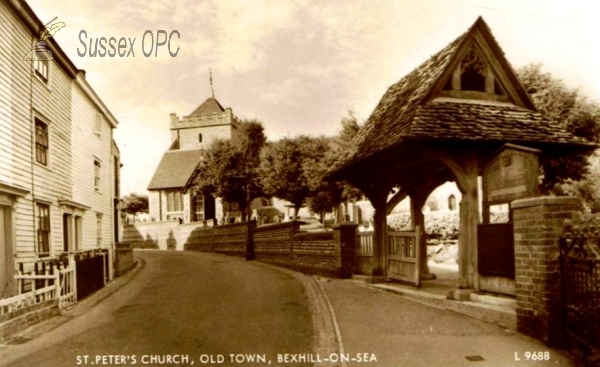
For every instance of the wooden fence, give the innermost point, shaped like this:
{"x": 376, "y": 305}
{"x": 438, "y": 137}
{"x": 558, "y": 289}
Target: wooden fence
{"x": 56, "y": 279}
{"x": 43, "y": 281}
{"x": 364, "y": 253}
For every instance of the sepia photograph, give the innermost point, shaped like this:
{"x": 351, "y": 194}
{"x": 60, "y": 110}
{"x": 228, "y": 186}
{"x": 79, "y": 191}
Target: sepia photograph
{"x": 388, "y": 183}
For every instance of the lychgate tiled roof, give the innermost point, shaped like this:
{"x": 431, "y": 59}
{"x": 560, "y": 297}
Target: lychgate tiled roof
{"x": 394, "y": 112}
{"x": 406, "y": 112}
{"x": 463, "y": 121}
{"x": 174, "y": 169}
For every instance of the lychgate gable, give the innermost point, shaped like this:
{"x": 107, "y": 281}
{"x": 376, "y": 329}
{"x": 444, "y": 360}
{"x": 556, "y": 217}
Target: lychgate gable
{"x": 474, "y": 74}
{"x": 479, "y": 71}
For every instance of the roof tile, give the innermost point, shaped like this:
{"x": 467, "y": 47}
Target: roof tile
{"x": 405, "y": 112}
{"x": 174, "y": 169}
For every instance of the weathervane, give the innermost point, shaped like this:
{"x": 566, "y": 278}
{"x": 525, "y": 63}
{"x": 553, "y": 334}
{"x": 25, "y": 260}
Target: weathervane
{"x": 212, "y": 89}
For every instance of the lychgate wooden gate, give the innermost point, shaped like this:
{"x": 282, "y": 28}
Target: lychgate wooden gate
{"x": 403, "y": 257}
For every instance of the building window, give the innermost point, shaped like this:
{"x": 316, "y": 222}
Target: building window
{"x": 97, "y": 169}
{"x": 43, "y": 229}
{"x": 41, "y": 142}
{"x": 98, "y": 123}
{"x": 174, "y": 201}
{"x": 200, "y": 138}
{"x": 42, "y": 69}
{"x": 98, "y": 230}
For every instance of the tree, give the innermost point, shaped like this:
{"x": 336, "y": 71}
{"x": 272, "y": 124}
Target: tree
{"x": 571, "y": 111}
{"x": 229, "y": 169}
{"x": 325, "y": 196}
{"x": 350, "y": 127}
{"x": 589, "y": 187}
{"x": 134, "y": 204}
{"x": 286, "y": 167}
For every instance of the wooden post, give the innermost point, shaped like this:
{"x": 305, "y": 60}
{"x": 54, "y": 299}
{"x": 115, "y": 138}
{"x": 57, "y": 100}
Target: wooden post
{"x": 485, "y": 207}
{"x": 379, "y": 236}
{"x": 469, "y": 219}
{"x": 466, "y": 175}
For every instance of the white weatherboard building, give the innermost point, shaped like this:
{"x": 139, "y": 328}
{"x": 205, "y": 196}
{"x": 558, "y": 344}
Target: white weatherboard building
{"x": 59, "y": 165}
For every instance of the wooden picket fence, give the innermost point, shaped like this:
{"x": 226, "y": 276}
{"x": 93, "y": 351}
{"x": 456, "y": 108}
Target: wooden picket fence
{"x": 43, "y": 280}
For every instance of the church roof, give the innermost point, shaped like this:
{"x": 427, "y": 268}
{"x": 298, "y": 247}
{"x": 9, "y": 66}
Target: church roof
{"x": 408, "y": 111}
{"x": 211, "y": 105}
{"x": 174, "y": 169}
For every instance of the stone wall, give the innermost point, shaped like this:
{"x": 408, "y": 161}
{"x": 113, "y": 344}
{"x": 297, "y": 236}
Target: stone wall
{"x": 538, "y": 225}
{"x": 153, "y": 235}
{"x": 324, "y": 253}
{"x": 123, "y": 259}
{"x": 273, "y": 243}
{"x": 316, "y": 253}
{"x": 13, "y": 323}
{"x": 229, "y": 239}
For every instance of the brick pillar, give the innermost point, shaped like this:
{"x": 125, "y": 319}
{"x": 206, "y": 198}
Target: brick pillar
{"x": 538, "y": 225}
{"x": 344, "y": 236}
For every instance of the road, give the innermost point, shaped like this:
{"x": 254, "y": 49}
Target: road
{"x": 186, "y": 308}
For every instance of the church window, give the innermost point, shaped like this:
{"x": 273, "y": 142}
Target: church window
{"x": 452, "y": 202}
{"x": 174, "y": 201}
{"x": 200, "y": 138}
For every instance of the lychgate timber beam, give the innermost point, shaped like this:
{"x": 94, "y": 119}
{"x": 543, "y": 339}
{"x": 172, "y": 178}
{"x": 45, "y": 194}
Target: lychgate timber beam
{"x": 466, "y": 174}
{"x": 395, "y": 200}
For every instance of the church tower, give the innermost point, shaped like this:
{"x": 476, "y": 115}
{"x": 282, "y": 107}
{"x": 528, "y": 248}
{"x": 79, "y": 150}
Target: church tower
{"x": 191, "y": 136}
{"x": 206, "y": 123}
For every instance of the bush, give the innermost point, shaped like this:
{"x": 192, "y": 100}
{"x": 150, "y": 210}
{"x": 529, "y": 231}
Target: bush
{"x": 442, "y": 225}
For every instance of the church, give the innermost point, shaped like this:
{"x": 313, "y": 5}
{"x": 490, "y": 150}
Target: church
{"x": 191, "y": 136}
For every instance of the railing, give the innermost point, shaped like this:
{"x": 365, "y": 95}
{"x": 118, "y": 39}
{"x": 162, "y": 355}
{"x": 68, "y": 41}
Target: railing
{"x": 580, "y": 275}
{"x": 41, "y": 281}
{"x": 33, "y": 297}
{"x": 38, "y": 274}
{"x": 364, "y": 244}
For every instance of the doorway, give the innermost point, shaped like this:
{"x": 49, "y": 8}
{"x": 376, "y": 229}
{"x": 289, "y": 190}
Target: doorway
{"x": 6, "y": 252}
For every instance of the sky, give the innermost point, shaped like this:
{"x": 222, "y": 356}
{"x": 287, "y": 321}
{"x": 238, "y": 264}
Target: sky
{"x": 299, "y": 66}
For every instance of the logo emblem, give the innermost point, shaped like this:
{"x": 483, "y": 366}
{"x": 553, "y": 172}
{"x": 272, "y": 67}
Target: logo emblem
{"x": 40, "y": 52}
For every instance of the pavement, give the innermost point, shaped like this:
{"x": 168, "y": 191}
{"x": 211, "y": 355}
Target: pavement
{"x": 401, "y": 332}
{"x": 18, "y": 347}
{"x": 360, "y": 324}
